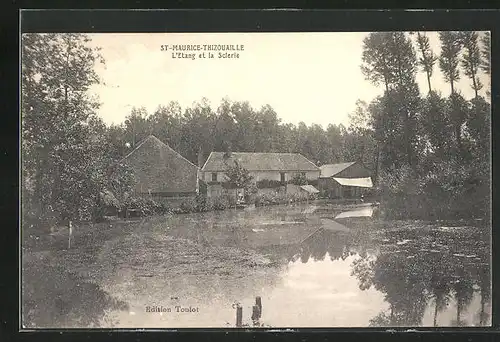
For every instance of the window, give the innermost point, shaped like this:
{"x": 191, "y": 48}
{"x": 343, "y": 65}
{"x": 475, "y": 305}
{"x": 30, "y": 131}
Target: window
{"x": 282, "y": 177}
{"x": 214, "y": 176}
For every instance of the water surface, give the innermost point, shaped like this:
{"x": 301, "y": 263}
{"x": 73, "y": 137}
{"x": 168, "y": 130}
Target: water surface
{"x": 355, "y": 272}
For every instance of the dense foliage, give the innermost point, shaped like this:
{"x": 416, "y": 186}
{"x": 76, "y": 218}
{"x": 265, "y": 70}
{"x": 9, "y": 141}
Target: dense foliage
{"x": 433, "y": 151}
{"x": 64, "y": 162}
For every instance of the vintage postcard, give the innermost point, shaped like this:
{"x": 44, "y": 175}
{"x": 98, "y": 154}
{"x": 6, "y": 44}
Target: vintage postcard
{"x": 262, "y": 180}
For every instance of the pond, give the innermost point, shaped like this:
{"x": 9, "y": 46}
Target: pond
{"x": 312, "y": 265}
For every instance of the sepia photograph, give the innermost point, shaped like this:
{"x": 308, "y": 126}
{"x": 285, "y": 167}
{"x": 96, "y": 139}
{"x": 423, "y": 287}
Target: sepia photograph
{"x": 255, "y": 180}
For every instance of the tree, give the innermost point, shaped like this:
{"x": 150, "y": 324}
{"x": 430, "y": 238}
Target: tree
{"x": 136, "y": 126}
{"x": 486, "y": 53}
{"x": 166, "y": 124}
{"x": 200, "y": 131}
{"x": 335, "y": 143}
{"x": 59, "y": 125}
{"x": 238, "y": 176}
{"x": 471, "y": 59}
{"x": 427, "y": 58}
{"x": 436, "y": 124}
{"x": 244, "y": 117}
{"x": 299, "y": 179}
{"x": 451, "y": 44}
{"x": 224, "y": 129}
{"x": 450, "y": 57}
{"x": 266, "y": 129}
{"x": 376, "y": 59}
{"x": 390, "y": 57}
{"x": 478, "y": 127}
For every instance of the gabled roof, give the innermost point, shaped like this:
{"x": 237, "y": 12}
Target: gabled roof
{"x": 365, "y": 182}
{"x": 158, "y": 168}
{"x": 260, "y": 161}
{"x": 330, "y": 170}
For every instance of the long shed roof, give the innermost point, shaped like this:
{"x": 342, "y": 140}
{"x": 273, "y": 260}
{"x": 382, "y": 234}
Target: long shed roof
{"x": 330, "y": 170}
{"x": 255, "y": 161}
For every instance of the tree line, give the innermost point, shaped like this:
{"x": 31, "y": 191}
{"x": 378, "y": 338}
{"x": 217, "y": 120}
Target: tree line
{"x": 196, "y": 131}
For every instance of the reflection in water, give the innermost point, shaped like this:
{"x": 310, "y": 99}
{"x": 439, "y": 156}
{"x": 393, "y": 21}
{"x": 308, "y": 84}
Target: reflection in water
{"x": 55, "y": 298}
{"x": 438, "y": 268}
{"x": 427, "y": 275}
{"x": 308, "y": 271}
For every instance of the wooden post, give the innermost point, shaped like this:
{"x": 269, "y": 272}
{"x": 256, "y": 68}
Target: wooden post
{"x": 69, "y": 234}
{"x": 255, "y": 314}
{"x": 258, "y": 302}
{"x": 239, "y": 316}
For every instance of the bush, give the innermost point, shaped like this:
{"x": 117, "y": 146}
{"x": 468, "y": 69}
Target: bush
{"x": 268, "y": 184}
{"x": 446, "y": 191}
{"x": 298, "y": 179}
{"x": 203, "y": 187}
{"x": 220, "y": 203}
{"x": 188, "y": 206}
{"x": 202, "y": 204}
{"x": 147, "y": 206}
{"x": 279, "y": 198}
{"x": 232, "y": 201}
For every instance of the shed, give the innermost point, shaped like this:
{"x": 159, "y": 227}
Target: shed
{"x": 344, "y": 180}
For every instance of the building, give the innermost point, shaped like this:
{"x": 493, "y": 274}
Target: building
{"x": 278, "y": 168}
{"x": 161, "y": 172}
{"x": 344, "y": 180}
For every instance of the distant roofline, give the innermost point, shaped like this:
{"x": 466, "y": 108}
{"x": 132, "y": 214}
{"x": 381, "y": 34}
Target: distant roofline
{"x": 206, "y": 161}
{"x": 347, "y": 165}
{"x": 281, "y": 153}
{"x": 166, "y": 145}
{"x": 338, "y": 164}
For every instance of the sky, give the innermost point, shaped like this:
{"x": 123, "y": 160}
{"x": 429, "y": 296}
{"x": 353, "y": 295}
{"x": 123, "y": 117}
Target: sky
{"x": 309, "y": 77}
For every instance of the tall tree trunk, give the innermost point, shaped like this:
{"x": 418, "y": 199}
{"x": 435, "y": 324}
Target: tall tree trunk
{"x": 474, "y": 85}
{"x": 38, "y": 192}
{"x": 377, "y": 164}
{"x": 429, "y": 81}
{"x": 458, "y": 124}
{"x": 409, "y": 152}
{"x": 458, "y": 136}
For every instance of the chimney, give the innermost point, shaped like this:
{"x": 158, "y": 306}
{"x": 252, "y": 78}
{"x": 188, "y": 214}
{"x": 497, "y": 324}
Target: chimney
{"x": 227, "y": 148}
{"x": 200, "y": 157}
